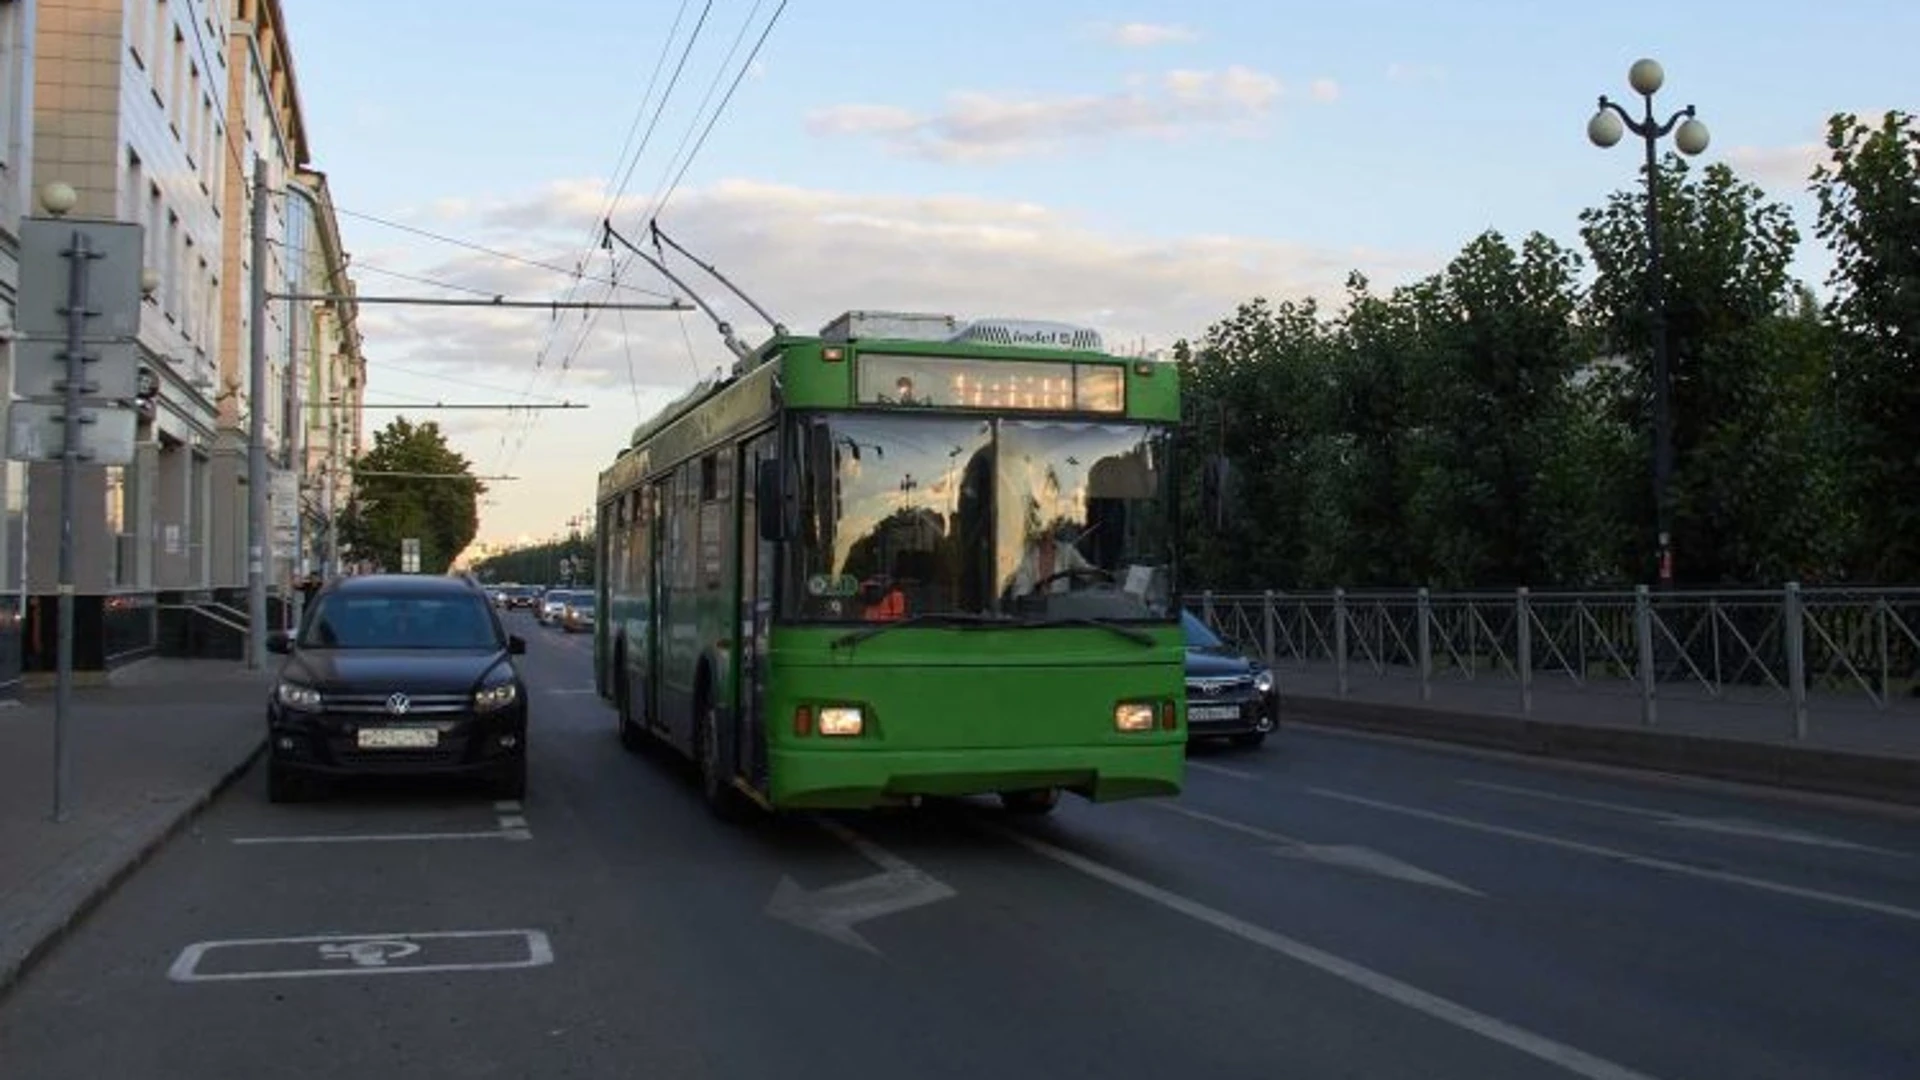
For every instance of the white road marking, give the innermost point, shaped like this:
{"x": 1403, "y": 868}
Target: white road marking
{"x": 1346, "y": 856}
{"x": 388, "y": 838}
{"x": 508, "y": 806}
{"x": 1644, "y": 861}
{"x": 1729, "y": 826}
{"x": 1575, "y": 1061}
{"x": 512, "y": 822}
{"x": 326, "y": 955}
{"x": 1237, "y": 774}
{"x": 833, "y": 911}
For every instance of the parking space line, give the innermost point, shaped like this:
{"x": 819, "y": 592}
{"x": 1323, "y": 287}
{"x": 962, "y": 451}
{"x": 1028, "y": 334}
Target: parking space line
{"x": 1645, "y": 861}
{"x": 1575, "y": 1061}
{"x": 387, "y": 838}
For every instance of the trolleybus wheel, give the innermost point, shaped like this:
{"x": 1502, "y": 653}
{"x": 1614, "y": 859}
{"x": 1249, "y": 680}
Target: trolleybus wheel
{"x": 716, "y": 777}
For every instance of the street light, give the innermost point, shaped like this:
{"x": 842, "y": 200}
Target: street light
{"x": 1609, "y": 123}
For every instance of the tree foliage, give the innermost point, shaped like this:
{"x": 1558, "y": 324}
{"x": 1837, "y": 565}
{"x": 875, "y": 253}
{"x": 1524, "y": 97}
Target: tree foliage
{"x": 1738, "y": 368}
{"x": 1869, "y": 197}
{"x": 1491, "y": 425}
{"x": 411, "y": 484}
{"x": 567, "y": 561}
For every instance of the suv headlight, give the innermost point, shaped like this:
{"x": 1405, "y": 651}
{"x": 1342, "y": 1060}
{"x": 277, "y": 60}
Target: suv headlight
{"x": 495, "y": 697}
{"x": 299, "y": 698}
{"x": 1263, "y": 682}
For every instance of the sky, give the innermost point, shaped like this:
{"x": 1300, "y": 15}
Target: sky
{"x": 1142, "y": 169}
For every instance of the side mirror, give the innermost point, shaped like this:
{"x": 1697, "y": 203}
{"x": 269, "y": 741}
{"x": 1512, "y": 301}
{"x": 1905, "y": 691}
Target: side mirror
{"x": 279, "y": 642}
{"x": 1216, "y": 483}
{"x": 776, "y": 498}
{"x": 516, "y": 645}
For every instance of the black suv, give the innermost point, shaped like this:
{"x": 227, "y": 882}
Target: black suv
{"x": 1227, "y": 694}
{"x": 397, "y": 673}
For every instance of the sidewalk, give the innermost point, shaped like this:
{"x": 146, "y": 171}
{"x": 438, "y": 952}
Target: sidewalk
{"x": 147, "y": 751}
{"x": 1850, "y": 748}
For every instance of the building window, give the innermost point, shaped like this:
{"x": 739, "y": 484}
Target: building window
{"x": 157, "y": 60}
{"x": 118, "y": 573}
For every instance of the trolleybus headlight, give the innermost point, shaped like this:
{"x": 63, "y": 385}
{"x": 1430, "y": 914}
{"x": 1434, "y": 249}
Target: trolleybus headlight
{"x": 1133, "y": 716}
{"x": 841, "y": 720}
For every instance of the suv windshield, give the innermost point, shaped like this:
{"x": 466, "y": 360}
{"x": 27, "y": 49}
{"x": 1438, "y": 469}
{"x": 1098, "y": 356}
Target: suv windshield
{"x": 391, "y": 621}
{"x": 905, "y": 515}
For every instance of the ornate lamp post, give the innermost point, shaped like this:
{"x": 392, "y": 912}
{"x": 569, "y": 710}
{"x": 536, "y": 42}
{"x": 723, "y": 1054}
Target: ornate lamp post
{"x": 1606, "y": 129}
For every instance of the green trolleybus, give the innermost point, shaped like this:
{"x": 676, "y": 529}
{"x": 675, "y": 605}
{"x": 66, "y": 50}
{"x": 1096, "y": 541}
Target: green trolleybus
{"x": 905, "y": 558}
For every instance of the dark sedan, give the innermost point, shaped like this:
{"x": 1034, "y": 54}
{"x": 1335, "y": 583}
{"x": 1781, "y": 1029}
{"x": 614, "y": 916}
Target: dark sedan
{"x": 1228, "y": 695}
{"x": 397, "y": 674}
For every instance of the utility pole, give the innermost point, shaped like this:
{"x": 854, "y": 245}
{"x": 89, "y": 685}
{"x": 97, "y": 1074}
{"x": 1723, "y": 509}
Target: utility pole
{"x": 257, "y": 432}
{"x": 297, "y": 461}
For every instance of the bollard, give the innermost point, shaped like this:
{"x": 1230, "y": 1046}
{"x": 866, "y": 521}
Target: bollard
{"x": 1266, "y": 625}
{"x": 1794, "y": 628}
{"x": 1643, "y": 636}
{"x": 1340, "y": 639}
{"x": 1425, "y": 636}
{"x": 1524, "y": 648}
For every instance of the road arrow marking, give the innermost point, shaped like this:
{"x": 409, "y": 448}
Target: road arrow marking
{"x": 833, "y": 911}
{"x": 1346, "y": 856}
{"x": 1757, "y": 830}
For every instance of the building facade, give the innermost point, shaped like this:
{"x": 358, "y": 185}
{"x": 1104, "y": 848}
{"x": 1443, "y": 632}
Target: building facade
{"x": 159, "y": 112}
{"x": 16, "y": 201}
{"x": 329, "y": 394}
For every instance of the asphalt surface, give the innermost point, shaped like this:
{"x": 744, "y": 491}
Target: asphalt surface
{"x": 1330, "y": 906}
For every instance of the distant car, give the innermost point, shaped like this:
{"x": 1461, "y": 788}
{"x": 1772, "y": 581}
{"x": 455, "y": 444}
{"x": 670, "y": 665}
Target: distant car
{"x": 1228, "y": 695}
{"x": 578, "y": 614}
{"x": 397, "y": 674}
{"x": 553, "y": 605}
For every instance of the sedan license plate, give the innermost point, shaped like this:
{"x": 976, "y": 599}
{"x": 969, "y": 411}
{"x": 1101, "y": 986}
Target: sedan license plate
{"x": 399, "y": 738}
{"x": 1214, "y": 712}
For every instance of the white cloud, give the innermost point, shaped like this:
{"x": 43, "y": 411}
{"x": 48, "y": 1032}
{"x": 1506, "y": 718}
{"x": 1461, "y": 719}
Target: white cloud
{"x": 1777, "y": 166}
{"x": 1324, "y": 90}
{"x": 959, "y": 254}
{"x": 1140, "y": 35}
{"x": 977, "y": 126}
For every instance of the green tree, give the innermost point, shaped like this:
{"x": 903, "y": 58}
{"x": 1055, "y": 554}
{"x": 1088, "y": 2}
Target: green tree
{"x": 1253, "y": 394}
{"x": 1742, "y": 436}
{"x": 1498, "y": 344}
{"x": 411, "y": 484}
{"x": 1869, "y": 196}
{"x": 1375, "y": 432}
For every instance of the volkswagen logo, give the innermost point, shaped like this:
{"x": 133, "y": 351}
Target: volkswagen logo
{"x": 398, "y": 705}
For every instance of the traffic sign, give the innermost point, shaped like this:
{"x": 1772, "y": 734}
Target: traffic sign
{"x": 112, "y": 371}
{"x": 113, "y": 287}
{"x": 37, "y": 431}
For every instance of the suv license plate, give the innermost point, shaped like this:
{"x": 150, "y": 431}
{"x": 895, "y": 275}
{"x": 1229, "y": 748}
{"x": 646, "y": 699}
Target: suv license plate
{"x": 398, "y": 738}
{"x": 1213, "y": 712}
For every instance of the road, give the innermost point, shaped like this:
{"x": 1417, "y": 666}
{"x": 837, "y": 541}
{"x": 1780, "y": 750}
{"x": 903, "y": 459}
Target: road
{"x": 1330, "y": 906}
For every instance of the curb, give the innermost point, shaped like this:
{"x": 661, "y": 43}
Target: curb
{"x": 1831, "y": 772}
{"x": 42, "y": 934}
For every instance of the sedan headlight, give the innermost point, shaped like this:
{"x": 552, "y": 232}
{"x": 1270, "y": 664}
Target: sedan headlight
{"x": 496, "y": 697}
{"x": 1263, "y": 682}
{"x": 299, "y": 698}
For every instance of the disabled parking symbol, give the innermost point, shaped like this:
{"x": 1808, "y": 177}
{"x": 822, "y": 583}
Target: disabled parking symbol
{"x": 369, "y": 953}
